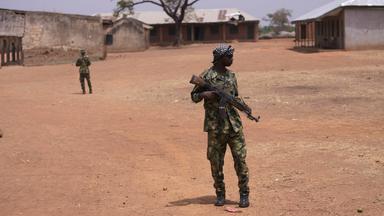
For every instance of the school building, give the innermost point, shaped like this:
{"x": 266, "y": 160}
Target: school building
{"x": 200, "y": 25}
{"x": 342, "y": 24}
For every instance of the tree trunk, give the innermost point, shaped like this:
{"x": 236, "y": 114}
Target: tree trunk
{"x": 179, "y": 34}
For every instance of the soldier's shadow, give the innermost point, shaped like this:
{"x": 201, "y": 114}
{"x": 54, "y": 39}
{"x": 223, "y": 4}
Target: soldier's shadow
{"x": 203, "y": 200}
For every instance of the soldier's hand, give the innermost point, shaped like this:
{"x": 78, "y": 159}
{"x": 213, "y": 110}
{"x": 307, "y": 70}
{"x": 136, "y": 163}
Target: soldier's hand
{"x": 208, "y": 95}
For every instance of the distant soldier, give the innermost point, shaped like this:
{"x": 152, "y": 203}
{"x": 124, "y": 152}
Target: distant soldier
{"x": 223, "y": 130}
{"x": 83, "y": 62}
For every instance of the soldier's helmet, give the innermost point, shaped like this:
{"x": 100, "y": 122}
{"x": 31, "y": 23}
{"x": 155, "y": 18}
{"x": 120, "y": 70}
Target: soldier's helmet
{"x": 82, "y": 51}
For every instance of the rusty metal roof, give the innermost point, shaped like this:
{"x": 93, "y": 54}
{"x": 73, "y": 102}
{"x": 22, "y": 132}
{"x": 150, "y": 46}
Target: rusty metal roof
{"x": 196, "y": 16}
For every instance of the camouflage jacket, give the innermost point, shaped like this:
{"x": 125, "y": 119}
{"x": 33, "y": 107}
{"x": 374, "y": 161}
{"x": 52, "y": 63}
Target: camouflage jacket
{"x": 83, "y": 63}
{"x": 228, "y": 83}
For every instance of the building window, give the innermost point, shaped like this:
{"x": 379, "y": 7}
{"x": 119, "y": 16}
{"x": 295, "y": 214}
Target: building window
{"x": 233, "y": 29}
{"x": 109, "y": 39}
{"x": 214, "y": 29}
{"x": 171, "y": 31}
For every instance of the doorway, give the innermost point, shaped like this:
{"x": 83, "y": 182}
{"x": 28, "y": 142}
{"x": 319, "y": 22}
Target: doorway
{"x": 251, "y": 31}
{"x": 198, "y": 33}
{"x": 11, "y": 52}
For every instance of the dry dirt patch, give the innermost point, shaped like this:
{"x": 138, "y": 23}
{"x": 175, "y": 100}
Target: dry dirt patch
{"x": 136, "y": 146}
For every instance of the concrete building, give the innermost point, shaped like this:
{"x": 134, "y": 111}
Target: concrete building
{"x": 125, "y": 34}
{"x": 343, "y": 24}
{"x": 201, "y": 25}
{"x": 37, "y": 38}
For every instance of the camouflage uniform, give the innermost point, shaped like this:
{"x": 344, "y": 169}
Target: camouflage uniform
{"x": 223, "y": 131}
{"x": 83, "y": 62}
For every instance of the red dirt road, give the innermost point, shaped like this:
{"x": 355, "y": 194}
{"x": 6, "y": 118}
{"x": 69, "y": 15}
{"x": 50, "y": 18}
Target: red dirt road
{"x": 136, "y": 146}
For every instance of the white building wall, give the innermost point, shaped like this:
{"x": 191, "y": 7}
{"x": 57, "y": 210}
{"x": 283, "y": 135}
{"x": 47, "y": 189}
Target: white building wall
{"x": 11, "y": 23}
{"x": 43, "y": 29}
{"x": 364, "y": 28}
{"x": 51, "y": 38}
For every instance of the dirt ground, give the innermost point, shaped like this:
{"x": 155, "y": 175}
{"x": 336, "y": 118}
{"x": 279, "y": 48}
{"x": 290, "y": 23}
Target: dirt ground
{"x": 136, "y": 146}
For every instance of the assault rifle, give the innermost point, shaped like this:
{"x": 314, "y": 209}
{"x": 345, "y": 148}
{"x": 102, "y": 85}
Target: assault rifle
{"x": 224, "y": 99}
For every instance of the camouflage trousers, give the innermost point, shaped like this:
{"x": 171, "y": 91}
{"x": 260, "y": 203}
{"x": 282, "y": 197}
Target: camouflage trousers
{"x": 217, "y": 145}
{"x": 86, "y": 76}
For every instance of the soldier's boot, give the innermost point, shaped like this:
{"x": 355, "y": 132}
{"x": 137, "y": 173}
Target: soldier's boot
{"x": 244, "y": 200}
{"x": 89, "y": 86}
{"x": 83, "y": 88}
{"x": 220, "y": 199}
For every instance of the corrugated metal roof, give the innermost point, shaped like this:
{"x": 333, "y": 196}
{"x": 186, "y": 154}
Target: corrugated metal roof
{"x": 334, "y": 5}
{"x": 197, "y": 16}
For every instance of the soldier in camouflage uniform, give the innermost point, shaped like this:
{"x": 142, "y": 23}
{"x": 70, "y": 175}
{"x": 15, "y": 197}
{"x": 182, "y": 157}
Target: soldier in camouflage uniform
{"x": 223, "y": 131}
{"x": 83, "y": 62}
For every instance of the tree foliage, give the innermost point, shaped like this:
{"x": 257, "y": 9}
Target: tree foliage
{"x": 279, "y": 20}
{"x": 175, "y": 9}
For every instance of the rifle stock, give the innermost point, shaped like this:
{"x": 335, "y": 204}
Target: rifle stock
{"x": 197, "y": 81}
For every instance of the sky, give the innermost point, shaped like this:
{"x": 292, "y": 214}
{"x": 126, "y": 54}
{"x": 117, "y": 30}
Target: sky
{"x": 257, "y": 8}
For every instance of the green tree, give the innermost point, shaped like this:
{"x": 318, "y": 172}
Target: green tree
{"x": 279, "y": 20}
{"x": 175, "y": 9}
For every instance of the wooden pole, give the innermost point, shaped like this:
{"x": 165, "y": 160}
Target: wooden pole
{"x": 1, "y": 52}
{"x": 161, "y": 33}
{"x": 224, "y": 32}
{"x": 192, "y": 33}
{"x": 8, "y": 52}
{"x": 22, "y": 52}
